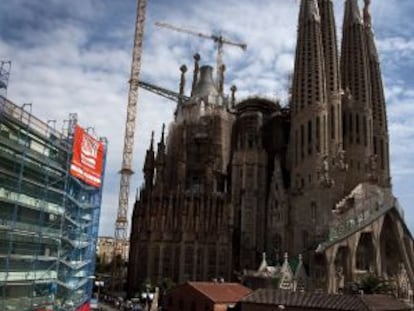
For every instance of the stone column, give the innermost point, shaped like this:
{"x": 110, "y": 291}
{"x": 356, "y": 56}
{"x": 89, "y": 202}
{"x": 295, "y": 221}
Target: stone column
{"x": 331, "y": 275}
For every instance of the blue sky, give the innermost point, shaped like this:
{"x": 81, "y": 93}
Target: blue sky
{"x": 74, "y": 56}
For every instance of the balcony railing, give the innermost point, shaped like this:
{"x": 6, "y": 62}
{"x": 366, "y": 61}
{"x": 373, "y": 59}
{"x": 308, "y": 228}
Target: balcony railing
{"x": 31, "y": 201}
{"x": 30, "y": 228}
{"x": 33, "y": 275}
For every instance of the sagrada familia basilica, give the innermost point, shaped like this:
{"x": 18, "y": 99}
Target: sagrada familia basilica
{"x": 236, "y": 179}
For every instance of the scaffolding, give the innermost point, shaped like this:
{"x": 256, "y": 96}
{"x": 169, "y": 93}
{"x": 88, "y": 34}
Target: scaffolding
{"x": 48, "y": 218}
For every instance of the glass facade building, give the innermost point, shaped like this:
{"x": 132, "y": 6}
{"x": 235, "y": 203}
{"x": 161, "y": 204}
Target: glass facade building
{"x": 48, "y": 218}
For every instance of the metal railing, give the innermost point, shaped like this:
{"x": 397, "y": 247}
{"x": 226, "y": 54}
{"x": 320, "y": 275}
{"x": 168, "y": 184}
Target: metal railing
{"x": 18, "y": 113}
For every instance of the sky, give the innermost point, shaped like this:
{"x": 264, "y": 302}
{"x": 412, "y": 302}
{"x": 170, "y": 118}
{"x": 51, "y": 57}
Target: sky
{"x": 75, "y": 56}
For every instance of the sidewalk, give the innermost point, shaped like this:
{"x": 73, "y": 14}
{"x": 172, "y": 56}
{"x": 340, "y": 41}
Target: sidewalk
{"x": 106, "y": 307}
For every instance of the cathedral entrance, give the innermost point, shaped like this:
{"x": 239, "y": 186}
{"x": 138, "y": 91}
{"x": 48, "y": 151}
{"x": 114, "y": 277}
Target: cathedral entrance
{"x": 391, "y": 256}
{"x": 365, "y": 254}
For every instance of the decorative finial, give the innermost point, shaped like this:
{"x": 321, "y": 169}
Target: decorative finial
{"x": 300, "y": 258}
{"x": 367, "y": 14}
{"x": 264, "y": 256}
{"x": 183, "y": 70}
{"x": 286, "y": 257}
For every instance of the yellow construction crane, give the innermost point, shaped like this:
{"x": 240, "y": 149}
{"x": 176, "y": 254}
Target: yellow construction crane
{"x": 219, "y": 40}
{"x": 121, "y": 223}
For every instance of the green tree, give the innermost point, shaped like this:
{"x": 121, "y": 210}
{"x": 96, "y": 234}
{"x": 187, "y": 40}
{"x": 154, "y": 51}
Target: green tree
{"x": 373, "y": 284}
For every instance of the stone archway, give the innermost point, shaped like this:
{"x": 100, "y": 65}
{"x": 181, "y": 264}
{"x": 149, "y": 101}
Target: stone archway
{"x": 391, "y": 256}
{"x": 365, "y": 253}
{"x": 319, "y": 272}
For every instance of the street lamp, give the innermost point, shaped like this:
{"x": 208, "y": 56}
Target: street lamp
{"x": 99, "y": 284}
{"x": 147, "y": 297}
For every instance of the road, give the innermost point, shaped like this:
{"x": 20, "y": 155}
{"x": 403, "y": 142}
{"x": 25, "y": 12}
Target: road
{"x": 105, "y": 307}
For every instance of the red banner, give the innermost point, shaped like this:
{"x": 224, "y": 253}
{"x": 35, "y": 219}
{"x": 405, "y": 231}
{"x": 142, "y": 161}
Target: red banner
{"x": 84, "y": 307}
{"x": 87, "y": 158}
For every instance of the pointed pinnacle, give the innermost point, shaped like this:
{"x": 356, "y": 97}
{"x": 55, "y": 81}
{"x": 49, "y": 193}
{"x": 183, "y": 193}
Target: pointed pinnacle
{"x": 162, "y": 133}
{"x": 152, "y": 141}
{"x": 367, "y": 14}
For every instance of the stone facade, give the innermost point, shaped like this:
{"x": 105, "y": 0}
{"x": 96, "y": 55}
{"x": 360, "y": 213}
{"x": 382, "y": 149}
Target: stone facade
{"x": 105, "y": 249}
{"x": 233, "y": 181}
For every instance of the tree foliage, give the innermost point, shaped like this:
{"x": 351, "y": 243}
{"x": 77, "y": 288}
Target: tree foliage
{"x": 373, "y": 284}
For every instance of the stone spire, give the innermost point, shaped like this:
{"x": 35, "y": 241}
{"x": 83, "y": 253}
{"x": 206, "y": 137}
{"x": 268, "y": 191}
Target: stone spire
{"x": 309, "y": 98}
{"x": 221, "y": 79}
{"x": 333, "y": 84}
{"x": 379, "y": 116}
{"x": 367, "y": 14}
{"x": 183, "y": 70}
{"x": 309, "y": 11}
{"x": 162, "y": 133}
{"x": 196, "y": 72}
{"x": 354, "y": 69}
{"x": 233, "y": 90}
{"x": 357, "y": 104}
{"x": 330, "y": 46}
{"x": 149, "y": 164}
{"x": 352, "y": 13}
{"x": 160, "y": 159}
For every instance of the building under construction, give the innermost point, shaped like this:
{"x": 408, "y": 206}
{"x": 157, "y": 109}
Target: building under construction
{"x": 234, "y": 180}
{"x": 49, "y": 212}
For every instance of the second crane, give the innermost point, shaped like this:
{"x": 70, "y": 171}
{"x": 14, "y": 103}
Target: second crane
{"x": 219, "y": 40}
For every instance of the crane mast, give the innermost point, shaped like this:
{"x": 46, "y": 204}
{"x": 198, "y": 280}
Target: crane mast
{"x": 121, "y": 223}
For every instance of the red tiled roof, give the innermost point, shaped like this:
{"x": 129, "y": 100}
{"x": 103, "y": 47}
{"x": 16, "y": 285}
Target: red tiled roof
{"x": 306, "y": 300}
{"x": 383, "y": 303}
{"x": 326, "y": 301}
{"x": 221, "y": 292}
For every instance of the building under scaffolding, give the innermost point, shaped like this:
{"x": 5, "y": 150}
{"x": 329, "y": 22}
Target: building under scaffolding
{"x": 48, "y": 218}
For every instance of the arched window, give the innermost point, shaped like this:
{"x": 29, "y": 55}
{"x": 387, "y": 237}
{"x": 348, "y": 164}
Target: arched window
{"x": 313, "y": 212}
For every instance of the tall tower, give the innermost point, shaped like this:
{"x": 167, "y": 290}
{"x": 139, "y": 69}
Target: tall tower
{"x": 309, "y": 142}
{"x": 182, "y": 229}
{"x": 334, "y": 165}
{"x": 309, "y": 99}
{"x": 357, "y": 108}
{"x": 379, "y": 117}
{"x": 249, "y": 166}
{"x": 333, "y": 83}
